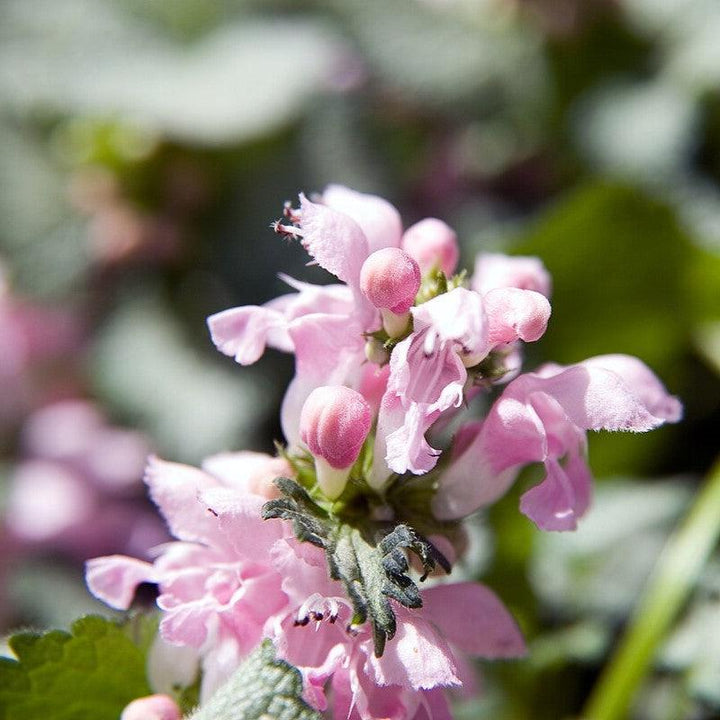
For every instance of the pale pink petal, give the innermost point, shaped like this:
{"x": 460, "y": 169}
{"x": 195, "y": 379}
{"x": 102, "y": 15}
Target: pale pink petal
{"x": 114, "y": 578}
{"x": 576, "y": 468}
{"x": 329, "y": 350}
{"x": 433, "y": 706}
{"x": 390, "y": 417}
{"x": 407, "y": 448}
{"x": 315, "y": 678}
{"x": 373, "y": 384}
{"x": 458, "y": 318}
{"x": 176, "y": 489}
{"x": 470, "y": 485}
{"x": 333, "y": 299}
{"x": 515, "y": 314}
{"x": 244, "y": 332}
{"x": 433, "y": 244}
{"x": 512, "y": 435}
{"x": 596, "y": 397}
{"x": 435, "y": 378}
{"x": 417, "y": 657}
{"x": 357, "y": 697}
{"x": 187, "y": 623}
{"x": 379, "y": 220}
{"x": 471, "y": 617}
{"x": 237, "y": 518}
{"x": 334, "y": 240}
{"x": 643, "y": 383}
{"x": 249, "y": 472}
{"x": 551, "y": 505}
{"x": 219, "y": 663}
{"x": 495, "y": 270}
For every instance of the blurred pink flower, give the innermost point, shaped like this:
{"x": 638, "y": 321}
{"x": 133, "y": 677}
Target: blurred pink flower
{"x": 79, "y": 489}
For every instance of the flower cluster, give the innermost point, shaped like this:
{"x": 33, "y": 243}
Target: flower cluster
{"x": 385, "y": 359}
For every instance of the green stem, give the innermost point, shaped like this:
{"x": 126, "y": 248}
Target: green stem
{"x": 670, "y": 584}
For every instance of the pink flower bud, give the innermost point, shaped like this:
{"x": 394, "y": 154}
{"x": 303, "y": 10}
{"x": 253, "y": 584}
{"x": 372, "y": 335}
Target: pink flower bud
{"x": 334, "y": 423}
{"x": 433, "y": 244}
{"x": 152, "y": 707}
{"x": 390, "y": 279}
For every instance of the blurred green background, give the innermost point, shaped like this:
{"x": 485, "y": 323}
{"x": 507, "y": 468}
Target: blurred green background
{"x": 146, "y": 146}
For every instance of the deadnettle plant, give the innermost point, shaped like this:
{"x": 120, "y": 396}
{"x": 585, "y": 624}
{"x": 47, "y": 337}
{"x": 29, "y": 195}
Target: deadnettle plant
{"x": 322, "y": 549}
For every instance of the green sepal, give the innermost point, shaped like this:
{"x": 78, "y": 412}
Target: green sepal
{"x": 369, "y": 559}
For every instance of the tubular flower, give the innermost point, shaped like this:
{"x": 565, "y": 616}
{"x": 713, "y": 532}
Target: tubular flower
{"x": 543, "y": 417}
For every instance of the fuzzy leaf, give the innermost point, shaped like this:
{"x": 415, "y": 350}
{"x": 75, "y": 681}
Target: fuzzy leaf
{"x": 262, "y": 687}
{"x": 370, "y": 561}
{"x": 92, "y": 672}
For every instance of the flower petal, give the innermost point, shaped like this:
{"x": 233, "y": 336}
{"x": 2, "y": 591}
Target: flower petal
{"x": 418, "y": 656}
{"x": 244, "y": 332}
{"x": 176, "y": 489}
{"x": 515, "y": 314}
{"x": 334, "y": 239}
{"x": 379, "y": 220}
{"x": 553, "y": 504}
{"x": 614, "y": 392}
{"x": 471, "y": 617}
{"x": 114, "y": 578}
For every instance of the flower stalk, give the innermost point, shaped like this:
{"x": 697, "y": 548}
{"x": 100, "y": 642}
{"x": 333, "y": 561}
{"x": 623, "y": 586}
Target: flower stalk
{"x": 668, "y": 588}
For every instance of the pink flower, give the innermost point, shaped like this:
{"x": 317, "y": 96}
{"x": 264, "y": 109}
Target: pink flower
{"x": 231, "y": 579}
{"x": 217, "y": 585}
{"x": 428, "y": 370}
{"x": 323, "y": 326}
{"x": 334, "y": 423}
{"x": 88, "y": 475}
{"x": 543, "y": 417}
{"x": 428, "y": 653}
{"x": 432, "y": 243}
{"x": 33, "y": 339}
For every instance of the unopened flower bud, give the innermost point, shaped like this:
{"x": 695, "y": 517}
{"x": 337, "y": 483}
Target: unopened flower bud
{"x": 390, "y": 279}
{"x": 152, "y": 707}
{"x": 334, "y": 423}
{"x": 432, "y": 243}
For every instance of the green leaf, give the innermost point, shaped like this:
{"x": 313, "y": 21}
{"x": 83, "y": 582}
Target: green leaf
{"x": 92, "y": 672}
{"x": 262, "y": 687}
{"x": 370, "y": 561}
